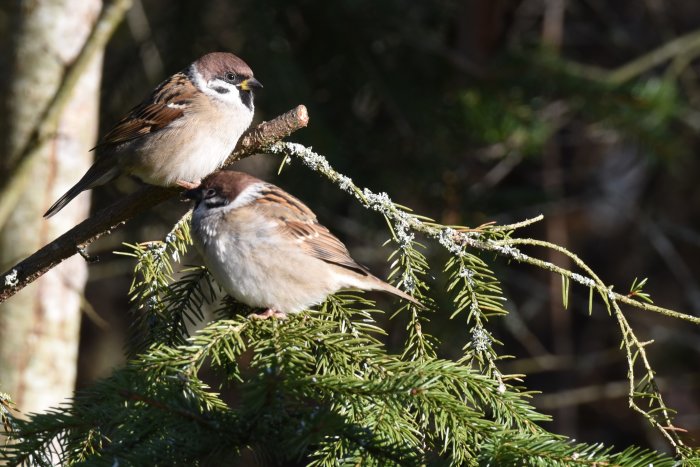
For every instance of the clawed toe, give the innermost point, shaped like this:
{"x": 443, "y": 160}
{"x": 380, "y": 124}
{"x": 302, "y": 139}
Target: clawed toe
{"x": 188, "y": 185}
{"x": 269, "y": 313}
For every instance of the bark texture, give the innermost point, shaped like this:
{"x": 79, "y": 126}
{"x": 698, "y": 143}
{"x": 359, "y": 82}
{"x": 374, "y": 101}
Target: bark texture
{"x": 39, "y": 329}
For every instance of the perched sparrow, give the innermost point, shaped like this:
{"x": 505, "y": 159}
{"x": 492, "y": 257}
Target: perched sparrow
{"x": 183, "y": 132}
{"x": 267, "y": 249}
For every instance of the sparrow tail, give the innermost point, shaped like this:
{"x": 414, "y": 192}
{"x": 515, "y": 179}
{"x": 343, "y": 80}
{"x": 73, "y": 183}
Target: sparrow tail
{"x": 381, "y": 285}
{"x": 98, "y": 174}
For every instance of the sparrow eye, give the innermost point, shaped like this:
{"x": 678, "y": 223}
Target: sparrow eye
{"x": 209, "y": 193}
{"x": 230, "y": 77}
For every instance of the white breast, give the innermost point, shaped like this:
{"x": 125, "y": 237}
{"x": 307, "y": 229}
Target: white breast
{"x": 194, "y": 145}
{"x": 250, "y": 263}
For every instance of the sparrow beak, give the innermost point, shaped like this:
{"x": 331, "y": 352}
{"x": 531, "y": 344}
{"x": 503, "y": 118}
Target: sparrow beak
{"x": 249, "y": 84}
{"x": 194, "y": 194}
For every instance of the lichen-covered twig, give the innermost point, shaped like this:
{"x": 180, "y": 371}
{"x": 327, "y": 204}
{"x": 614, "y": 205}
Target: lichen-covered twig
{"x": 456, "y": 239}
{"x": 102, "y": 222}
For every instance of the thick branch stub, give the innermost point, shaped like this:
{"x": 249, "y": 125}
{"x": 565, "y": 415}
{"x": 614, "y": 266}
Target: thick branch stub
{"x": 111, "y": 217}
{"x": 267, "y": 133}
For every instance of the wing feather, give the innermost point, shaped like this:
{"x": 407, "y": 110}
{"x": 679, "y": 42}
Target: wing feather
{"x": 299, "y": 224}
{"x": 166, "y": 104}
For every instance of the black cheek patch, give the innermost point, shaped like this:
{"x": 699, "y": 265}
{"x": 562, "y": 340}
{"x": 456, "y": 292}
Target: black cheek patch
{"x": 247, "y": 99}
{"x": 215, "y": 202}
{"x": 220, "y": 90}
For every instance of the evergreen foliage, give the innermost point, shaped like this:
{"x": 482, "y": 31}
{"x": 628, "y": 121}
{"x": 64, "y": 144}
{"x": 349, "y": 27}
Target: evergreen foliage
{"x": 321, "y": 387}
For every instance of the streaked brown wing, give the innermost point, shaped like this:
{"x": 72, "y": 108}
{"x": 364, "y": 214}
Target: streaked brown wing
{"x": 299, "y": 224}
{"x": 278, "y": 203}
{"x": 318, "y": 242}
{"x": 165, "y": 105}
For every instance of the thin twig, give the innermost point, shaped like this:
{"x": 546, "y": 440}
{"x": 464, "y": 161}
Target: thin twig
{"x": 517, "y": 225}
{"x": 455, "y": 240}
{"x": 111, "y": 217}
{"x": 503, "y": 248}
{"x": 13, "y": 184}
{"x": 586, "y": 281}
{"x": 686, "y": 46}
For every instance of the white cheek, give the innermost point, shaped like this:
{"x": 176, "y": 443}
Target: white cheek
{"x": 230, "y": 100}
{"x": 232, "y": 97}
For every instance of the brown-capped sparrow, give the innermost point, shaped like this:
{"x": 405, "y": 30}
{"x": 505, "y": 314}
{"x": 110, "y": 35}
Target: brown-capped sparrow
{"x": 266, "y": 248}
{"x": 183, "y": 132}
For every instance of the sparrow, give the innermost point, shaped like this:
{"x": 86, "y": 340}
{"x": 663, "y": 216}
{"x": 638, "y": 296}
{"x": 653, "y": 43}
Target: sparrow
{"x": 266, "y": 248}
{"x": 183, "y": 131}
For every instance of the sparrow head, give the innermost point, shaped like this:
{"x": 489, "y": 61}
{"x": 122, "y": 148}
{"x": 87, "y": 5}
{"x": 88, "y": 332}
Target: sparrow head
{"x": 225, "y": 77}
{"x": 222, "y": 189}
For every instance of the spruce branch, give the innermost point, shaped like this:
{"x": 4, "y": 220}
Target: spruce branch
{"x": 104, "y": 221}
{"x": 499, "y": 241}
{"x": 321, "y": 384}
{"x": 7, "y": 412}
{"x": 162, "y": 308}
{"x": 545, "y": 449}
{"x": 410, "y": 266}
{"x": 453, "y": 239}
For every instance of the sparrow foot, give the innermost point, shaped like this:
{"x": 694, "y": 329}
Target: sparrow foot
{"x": 188, "y": 185}
{"x": 269, "y": 313}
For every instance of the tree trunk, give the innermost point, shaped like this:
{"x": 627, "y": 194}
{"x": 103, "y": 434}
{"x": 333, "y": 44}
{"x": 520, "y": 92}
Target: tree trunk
{"x": 39, "y": 327}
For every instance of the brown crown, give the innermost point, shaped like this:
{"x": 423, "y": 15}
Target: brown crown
{"x": 229, "y": 183}
{"x": 217, "y": 64}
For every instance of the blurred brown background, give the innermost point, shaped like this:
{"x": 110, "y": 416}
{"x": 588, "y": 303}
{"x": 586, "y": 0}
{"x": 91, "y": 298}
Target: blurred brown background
{"x": 467, "y": 111}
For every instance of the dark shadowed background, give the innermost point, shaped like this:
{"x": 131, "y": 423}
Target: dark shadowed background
{"x": 468, "y": 112}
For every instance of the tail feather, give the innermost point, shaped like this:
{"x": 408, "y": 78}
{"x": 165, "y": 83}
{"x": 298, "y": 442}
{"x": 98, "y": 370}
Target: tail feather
{"x": 99, "y": 173}
{"x": 381, "y": 285}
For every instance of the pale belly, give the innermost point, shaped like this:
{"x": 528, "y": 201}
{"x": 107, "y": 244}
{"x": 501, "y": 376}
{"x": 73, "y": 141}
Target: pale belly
{"x": 259, "y": 274}
{"x": 191, "y": 155}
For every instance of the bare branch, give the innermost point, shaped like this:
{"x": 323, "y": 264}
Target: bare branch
{"x": 101, "y": 223}
{"x": 686, "y": 46}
